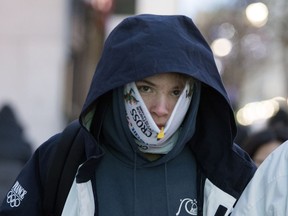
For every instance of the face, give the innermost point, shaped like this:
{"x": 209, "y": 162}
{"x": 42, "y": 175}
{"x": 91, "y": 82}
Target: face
{"x": 264, "y": 151}
{"x": 160, "y": 94}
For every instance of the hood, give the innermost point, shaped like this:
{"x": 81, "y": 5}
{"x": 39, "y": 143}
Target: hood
{"x": 155, "y": 44}
{"x": 144, "y": 45}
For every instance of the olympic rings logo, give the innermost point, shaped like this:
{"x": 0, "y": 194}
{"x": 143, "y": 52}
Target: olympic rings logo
{"x": 13, "y": 199}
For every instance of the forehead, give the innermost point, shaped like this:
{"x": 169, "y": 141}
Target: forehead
{"x": 174, "y": 78}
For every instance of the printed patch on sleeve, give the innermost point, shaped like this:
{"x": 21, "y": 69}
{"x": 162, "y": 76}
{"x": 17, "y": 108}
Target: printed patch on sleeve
{"x": 16, "y": 195}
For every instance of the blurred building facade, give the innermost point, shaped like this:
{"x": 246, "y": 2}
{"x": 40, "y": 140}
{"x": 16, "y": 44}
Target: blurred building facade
{"x": 33, "y": 46}
{"x": 48, "y": 53}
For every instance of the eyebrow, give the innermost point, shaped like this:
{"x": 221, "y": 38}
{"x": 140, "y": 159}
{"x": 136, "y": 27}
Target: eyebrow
{"x": 147, "y": 82}
{"x": 154, "y": 85}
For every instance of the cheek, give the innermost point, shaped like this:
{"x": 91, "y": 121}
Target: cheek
{"x": 156, "y": 101}
{"x": 148, "y": 100}
{"x": 171, "y": 102}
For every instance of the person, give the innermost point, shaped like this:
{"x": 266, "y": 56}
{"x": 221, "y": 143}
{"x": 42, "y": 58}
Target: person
{"x": 157, "y": 130}
{"x": 266, "y": 193}
{"x": 280, "y": 119}
{"x": 261, "y": 143}
{"x": 15, "y": 150}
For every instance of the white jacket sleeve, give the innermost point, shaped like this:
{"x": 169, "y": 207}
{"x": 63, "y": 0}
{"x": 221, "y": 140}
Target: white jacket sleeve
{"x": 267, "y": 192}
{"x": 80, "y": 200}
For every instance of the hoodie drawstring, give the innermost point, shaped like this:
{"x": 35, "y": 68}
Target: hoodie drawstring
{"x": 135, "y": 186}
{"x": 134, "y": 183}
{"x": 166, "y": 187}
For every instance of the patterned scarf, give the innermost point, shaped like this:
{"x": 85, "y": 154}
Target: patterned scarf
{"x": 149, "y": 138}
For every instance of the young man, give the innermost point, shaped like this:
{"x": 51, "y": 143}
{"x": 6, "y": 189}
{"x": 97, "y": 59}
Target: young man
{"x": 156, "y": 135}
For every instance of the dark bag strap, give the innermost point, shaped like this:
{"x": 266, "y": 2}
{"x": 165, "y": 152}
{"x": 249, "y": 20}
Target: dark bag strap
{"x": 62, "y": 169}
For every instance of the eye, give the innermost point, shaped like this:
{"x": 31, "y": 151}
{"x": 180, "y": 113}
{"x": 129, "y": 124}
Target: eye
{"x": 177, "y": 92}
{"x": 144, "y": 88}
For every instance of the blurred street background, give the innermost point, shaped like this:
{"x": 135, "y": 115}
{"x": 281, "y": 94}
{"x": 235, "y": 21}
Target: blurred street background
{"x": 49, "y": 51}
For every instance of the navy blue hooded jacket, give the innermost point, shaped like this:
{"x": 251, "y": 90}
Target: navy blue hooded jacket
{"x": 142, "y": 46}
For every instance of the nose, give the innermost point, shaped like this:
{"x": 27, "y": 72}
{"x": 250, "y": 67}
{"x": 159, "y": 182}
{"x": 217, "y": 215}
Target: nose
{"x": 160, "y": 107}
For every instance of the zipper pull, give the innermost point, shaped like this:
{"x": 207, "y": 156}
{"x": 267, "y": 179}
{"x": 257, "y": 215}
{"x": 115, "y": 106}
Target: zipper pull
{"x": 161, "y": 133}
